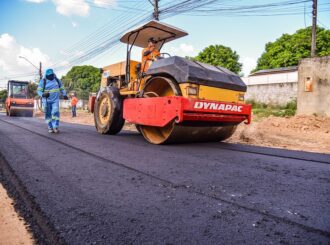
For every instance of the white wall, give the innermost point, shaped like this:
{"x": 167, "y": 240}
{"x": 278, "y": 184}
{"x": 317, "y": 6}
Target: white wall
{"x": 278, "y": 88}
{"x": 287, "y": 77}
{"x": 66, "y": 104}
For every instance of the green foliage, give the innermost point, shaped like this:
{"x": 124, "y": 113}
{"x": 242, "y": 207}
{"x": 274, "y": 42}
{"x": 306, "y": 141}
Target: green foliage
{"x": 265, "y": 110}
{"x": 3, "y": 95}
{"x": 291, "y": 105}
{"x": 288, "y": 50}
{"x": 189, "y": 58}
{"x": 219, "y": 55}
{"x": 33, "y": 89}
{"x": 82, "y": 79}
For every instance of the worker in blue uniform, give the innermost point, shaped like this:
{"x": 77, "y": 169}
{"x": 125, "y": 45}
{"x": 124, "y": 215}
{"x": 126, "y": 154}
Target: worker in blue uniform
{"x": 49, "y": 89}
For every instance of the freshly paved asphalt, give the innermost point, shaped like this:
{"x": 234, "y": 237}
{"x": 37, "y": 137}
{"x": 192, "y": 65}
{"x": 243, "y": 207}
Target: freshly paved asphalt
{"x": 80, "y": 187}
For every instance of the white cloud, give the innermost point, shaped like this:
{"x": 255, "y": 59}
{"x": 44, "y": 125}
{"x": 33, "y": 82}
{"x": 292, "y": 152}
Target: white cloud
{"x": 64, "y": 63}
{"x": 105, "y": 3}
{"x": 249, "y": 64}
{"x": 74, "y": 24}
{"x": 186, "y": 48}
{"x": 68, "y": 7}
{"x": 36, "y": 1}
{"x": 10, "y": 50}
{"x": 77, "y": 7}
{"x": 183, "y": 50}
{"x": 78, "y": 53}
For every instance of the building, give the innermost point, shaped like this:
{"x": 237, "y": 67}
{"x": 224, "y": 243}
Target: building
{"x": 273, "y": 86}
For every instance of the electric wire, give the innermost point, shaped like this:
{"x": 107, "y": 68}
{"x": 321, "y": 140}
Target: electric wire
{"x": 105, "y": 39}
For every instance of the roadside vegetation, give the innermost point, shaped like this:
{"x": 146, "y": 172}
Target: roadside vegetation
{"x": 265, "y": 110}
{"x": 289, "y": 49}
{"x": 219, "y": 55}
{"x": 3, "y": 95}
{"x": 82, "y": 80}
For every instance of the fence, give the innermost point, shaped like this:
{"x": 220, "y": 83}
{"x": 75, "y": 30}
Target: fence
{"x": 276, "y": 89}
{"x": 82, "y": 104}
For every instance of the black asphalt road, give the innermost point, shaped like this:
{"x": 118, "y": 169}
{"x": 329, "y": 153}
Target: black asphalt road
{"x": 80, "y": 187}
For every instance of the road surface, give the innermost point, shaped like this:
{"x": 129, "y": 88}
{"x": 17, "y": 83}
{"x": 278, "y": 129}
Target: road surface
{"x": 80, "y": 187}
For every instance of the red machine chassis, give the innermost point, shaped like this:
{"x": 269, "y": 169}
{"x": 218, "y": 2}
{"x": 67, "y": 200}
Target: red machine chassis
{"x": 17, "y": 103}
{"x": 159, "y": 111}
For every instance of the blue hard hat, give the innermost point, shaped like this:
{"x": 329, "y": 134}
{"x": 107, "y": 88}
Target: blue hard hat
{"x": 49, "y": 72}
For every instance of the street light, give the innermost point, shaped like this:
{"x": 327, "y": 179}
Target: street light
{"x": 38, "y": 68}
{"x": 28, "y": 61}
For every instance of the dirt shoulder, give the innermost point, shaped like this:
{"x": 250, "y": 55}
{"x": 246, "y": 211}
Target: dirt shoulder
{"x": 13, "y": 229}
{"x": 305, "y": 133}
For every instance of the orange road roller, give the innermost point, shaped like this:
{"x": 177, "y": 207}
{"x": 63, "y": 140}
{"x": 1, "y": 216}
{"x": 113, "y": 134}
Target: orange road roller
{"x": 18, "y": 101}
{"x": 175, "y": 100}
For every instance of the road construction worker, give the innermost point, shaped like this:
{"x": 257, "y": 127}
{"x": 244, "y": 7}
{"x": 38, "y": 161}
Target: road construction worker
{"x": 149, "y": 54}
{"x": 74, "y": 102}
{"x": 49, "y": 89}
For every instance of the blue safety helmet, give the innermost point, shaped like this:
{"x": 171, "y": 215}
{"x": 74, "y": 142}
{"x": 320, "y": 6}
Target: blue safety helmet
{"x": 49, "y": 72}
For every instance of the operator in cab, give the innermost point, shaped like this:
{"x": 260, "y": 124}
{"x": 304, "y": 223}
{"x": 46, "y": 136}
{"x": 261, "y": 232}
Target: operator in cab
{"x": 149, "y": 54}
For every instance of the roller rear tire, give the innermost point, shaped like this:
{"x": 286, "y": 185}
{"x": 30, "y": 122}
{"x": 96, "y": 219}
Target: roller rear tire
{"x": 108, "y": 112}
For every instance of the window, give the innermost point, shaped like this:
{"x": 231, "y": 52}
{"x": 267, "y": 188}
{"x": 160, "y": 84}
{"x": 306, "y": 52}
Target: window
{"x": 19, "y": 91}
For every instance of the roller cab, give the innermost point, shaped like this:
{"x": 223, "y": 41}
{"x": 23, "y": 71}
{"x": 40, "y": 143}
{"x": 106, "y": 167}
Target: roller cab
{"x": 177, "y": 100}
{"x": 18, "y": 101}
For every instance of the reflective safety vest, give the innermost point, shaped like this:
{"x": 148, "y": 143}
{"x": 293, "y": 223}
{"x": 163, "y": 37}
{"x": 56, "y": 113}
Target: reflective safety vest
{"x": 52, "y": 90}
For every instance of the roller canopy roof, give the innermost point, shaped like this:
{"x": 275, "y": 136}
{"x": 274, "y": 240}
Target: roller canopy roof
{"x": 14, "y": 81}
{"x": 161, "y": 32}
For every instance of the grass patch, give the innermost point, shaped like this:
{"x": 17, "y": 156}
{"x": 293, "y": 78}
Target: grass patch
{"x": 266, "y": 110}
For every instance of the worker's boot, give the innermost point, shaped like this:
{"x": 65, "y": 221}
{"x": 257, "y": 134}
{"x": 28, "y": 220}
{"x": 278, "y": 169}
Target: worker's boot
{"x": 56, "y": 130}
{"x": 50, "y": 131}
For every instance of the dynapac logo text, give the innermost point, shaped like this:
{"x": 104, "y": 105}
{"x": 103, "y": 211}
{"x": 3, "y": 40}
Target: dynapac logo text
{"x": 217, "y": 106}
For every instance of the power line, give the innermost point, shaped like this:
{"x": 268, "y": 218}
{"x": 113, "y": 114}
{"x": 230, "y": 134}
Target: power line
{"x": 318, "y": 21}
{"x": 105, "y": 39}
{"x": 277, "y": 8}
{"x": 208, "y": 7}
{"x": 103, "y": 46}
{"x": 100, "y": 36}
{"x": 103, "y": 29}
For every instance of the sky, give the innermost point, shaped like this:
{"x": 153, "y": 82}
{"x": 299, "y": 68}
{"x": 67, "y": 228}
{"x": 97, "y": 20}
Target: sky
{"x": 47, "y": 30}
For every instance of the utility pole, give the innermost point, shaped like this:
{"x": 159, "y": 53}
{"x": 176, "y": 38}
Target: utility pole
{"x": 156, "y": 10}
{"x": 314, "y": 13}
{"x": 40, "y": 71}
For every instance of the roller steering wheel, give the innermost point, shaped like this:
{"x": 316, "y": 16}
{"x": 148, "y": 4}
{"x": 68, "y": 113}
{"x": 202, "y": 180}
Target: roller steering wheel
{"x": 162, "y": 55}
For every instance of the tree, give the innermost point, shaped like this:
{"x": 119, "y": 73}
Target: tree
{"x": 3, "y": 95}
{"x": 219, "y": 55}
{"x": 32, "y": 89}
{"x": 82, "y": 78}
{"x": 288, "y": 50}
